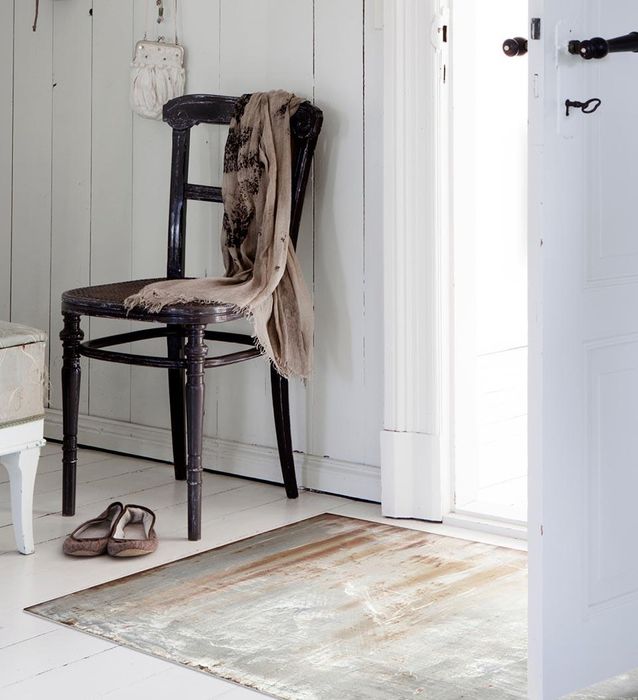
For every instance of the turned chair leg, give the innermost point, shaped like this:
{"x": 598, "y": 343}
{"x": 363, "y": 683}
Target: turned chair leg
{"x": 195, "y": 352}
{"x": 177, "y": 398}
{"x": 281, "y": 409}
{"x": 71, "y": 337}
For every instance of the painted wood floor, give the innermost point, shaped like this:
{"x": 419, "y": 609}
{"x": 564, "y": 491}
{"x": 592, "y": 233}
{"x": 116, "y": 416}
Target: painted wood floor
{"x": 40, "y": 659}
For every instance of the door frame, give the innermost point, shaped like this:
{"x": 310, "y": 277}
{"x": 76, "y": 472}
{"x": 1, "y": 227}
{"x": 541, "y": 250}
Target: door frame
{"x": 416, "y": 433}
{"x": 417, "y": 436}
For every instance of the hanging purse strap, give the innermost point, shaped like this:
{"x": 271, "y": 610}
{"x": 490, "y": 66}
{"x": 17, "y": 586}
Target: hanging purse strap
{"x": 37, "y": 12}
{"x": 160, "y": 19}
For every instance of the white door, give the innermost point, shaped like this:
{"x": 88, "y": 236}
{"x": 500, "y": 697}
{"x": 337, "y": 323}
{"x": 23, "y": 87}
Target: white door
{"x": 583, "y": 514}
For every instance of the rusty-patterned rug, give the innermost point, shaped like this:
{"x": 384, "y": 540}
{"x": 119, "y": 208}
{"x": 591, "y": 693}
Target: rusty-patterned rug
{"x": 328, "y": 608}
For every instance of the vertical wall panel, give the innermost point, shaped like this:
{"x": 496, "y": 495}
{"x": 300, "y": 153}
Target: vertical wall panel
{"x": 202, "y": 245}
{"x": 152, "y": 151}
{"x": 338, "y": 386}
{"x": 6, "y": 153}
{"x": 205, "y": 165}
{"x": 151, "y": 180}
{"x": 71, "y": 171}
{"x": 269, "y": 33}
{"x": 111, "y": 143}
{"x": 373, "y": 232}
{"x": 31, "y": 238}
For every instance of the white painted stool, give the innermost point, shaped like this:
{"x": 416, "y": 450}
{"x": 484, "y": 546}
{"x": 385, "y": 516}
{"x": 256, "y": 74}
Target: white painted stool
{"x": 22, "y": 384}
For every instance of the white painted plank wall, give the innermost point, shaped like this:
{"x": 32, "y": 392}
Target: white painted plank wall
{"x": 70, "y": 168}
{"x": 6, "y": 154}
{"x": 372, "y": 232}
{"x": 90, "y": 202}
{"x": 112, "y": 193}
{"x": 270, "y": 33}
{"x": 31, "y": 195}
{"x": 339, "y": 283}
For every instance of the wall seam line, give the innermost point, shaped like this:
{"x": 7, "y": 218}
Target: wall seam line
{"x": 51, "y": 114}
{"x": 13, "y": 69}
{"x": 88, "y": 373}
{"x": 363, "y": 197}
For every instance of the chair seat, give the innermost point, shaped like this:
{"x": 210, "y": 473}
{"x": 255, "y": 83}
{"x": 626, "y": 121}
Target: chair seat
{"x": 107, "y": 300}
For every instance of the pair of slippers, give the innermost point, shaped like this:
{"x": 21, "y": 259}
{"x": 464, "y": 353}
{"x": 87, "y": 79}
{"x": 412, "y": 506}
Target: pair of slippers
{"x": 120, "y": 531}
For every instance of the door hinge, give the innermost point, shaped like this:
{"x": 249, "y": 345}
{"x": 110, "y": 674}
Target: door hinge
{"x": 440, "y": 37}
{"x": 441, "y": 29}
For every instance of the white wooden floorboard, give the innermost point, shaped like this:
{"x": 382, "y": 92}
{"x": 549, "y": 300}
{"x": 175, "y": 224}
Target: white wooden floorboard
{"x": 121, "y": 673}
{"x": 36, "y": 656}
{"x": 100, "y": 492}
{"x": 170, "y": 683}
{"x": 50, "y": 457}
{"x": 49, "y": 525}
{"x": 53, "y": 448}
{"x": 17, "y": 626}
{"x": 51, "y": 479}
{"x": 40, "y": 659}
{"x": 99, "y": 481}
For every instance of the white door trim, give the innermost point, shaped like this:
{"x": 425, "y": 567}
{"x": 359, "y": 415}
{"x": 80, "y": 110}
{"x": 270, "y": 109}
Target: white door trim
{"x": 414, "y": 440}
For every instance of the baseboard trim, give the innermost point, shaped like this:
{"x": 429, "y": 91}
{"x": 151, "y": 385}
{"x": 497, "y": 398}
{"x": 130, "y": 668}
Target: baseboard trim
{"x": 254, "y": 461}
{"x": 511, "y": 530}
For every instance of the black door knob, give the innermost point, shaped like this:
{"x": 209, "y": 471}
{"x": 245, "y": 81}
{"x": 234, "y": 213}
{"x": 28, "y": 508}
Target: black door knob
{"x": 599, "y": 47}
{"x": 515, "y": 47}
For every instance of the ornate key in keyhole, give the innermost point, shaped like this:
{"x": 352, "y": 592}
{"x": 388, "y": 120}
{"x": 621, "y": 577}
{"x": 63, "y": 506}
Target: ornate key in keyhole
{"x": 588, "y": 107}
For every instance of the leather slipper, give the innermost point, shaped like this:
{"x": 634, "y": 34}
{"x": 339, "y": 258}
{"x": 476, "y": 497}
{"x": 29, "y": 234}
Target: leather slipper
{"x": 133, "y": 533}
{"x": 90, "y": 539}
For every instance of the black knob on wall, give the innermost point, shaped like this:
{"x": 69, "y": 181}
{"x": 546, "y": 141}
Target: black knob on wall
{"x": 515, "y": 47}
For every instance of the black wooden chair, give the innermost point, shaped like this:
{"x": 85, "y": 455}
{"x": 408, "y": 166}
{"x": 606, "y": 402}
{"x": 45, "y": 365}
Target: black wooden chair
{"x": 183, "y": 325}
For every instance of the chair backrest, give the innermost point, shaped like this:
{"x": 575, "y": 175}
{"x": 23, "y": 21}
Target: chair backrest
{"x": 182, "y": 114}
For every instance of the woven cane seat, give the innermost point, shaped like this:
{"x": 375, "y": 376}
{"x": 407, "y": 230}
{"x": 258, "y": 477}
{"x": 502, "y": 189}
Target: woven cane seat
{"x": 107, "y": 300}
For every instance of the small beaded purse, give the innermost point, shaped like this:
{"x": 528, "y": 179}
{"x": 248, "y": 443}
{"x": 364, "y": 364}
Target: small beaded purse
{"x": 157, "y": 70}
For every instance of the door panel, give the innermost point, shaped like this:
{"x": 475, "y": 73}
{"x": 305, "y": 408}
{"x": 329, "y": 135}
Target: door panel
{"x": 612, "y": 480}
{"x": 611, "y": 151}
{"x": 583, "y": 271}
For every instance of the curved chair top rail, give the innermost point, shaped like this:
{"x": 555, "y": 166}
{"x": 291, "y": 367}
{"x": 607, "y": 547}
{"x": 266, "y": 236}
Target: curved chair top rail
{"x": 187, "y": 111}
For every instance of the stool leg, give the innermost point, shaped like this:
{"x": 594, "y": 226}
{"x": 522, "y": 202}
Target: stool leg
{"x": 22, "y": 467}
{"x": 71, "y": 337}
{"x": 195, "y": 352}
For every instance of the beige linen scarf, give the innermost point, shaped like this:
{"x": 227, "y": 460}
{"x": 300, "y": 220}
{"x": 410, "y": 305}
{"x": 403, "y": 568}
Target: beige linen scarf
{"x": 263, "y": 277}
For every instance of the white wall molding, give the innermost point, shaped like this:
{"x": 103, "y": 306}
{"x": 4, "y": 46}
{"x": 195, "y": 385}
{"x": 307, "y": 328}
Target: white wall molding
{"x": 413, "y": 264}
{"x": 410, "y": 479}
{"x": 254, "y": 461}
